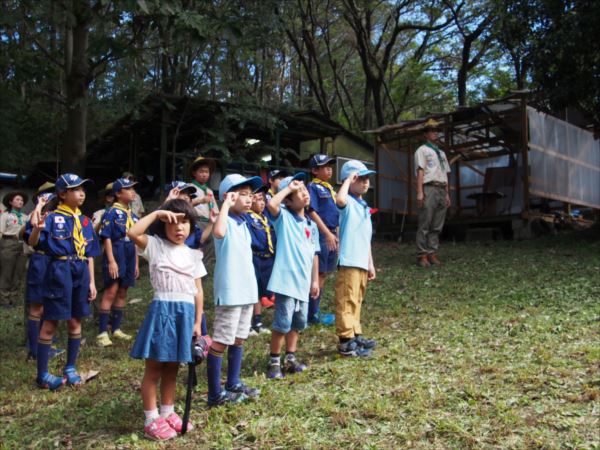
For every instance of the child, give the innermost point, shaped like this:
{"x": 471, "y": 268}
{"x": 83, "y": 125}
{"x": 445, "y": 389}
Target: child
{"x": 173, "y": 318}
{"x": 108, "y": 198}
{"x": 356, "y": 261}
{"x": 198, "y": 237}
{"x": 204, "y": 202}
{"x": 235, "y": 290}
{"x": 12, "y": 257}
{"x": 68, "y": 238}
{"x": 295, "y": 272}
{"x": 325, "y": 214}
{"x": 120, "y": 266}
{"x": 275, "y": 177}
{"x": 137, "y": 205}
{"x": 36, "y": 271}
{"x": 263, "y": 256}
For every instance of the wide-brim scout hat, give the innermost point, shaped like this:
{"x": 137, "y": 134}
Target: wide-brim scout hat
{"x": 286, "y": 181}
{"x": 122, "y": 183}
{"x": 70, "y": 181}
{"x": 355, "y": 166}
{"x": 319, "y": 160}
{"x": 277, "y": 173}
{"x": 9, "y": 198}
{"x": 432, "y": 125}
{"x": 43, "y": 189}
{"x": 236, "y": 180}
{"x": 202, "y": 161}
{"x": 106, "y": 190}
{"x": 186, "y": 188}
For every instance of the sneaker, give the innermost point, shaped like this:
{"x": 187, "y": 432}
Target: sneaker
{"x": 328, "y": 319}
{"x": 242, "y": 388}
{"x": 120, "y": 335}
{"x": 228, "y": 397}
{"x": 352, "y": 349}
{"x": 159, "y": 430}
{"x": 50, "y": 382}
{"x": 294, "y": 366}
{"x": 176, "y": 423}
{"x": 364, "y": 342}
{"x": 274, "y": 371}
{"x": 72, "y": 377}
{"x": 252, "y": 332}
{"x": 259, "y": 328}
{"x": 103, "y": 340}
{"x": 54, "y": 352}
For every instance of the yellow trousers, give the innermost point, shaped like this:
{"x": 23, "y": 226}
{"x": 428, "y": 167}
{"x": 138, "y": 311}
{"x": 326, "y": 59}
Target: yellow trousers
{"x": 350, "y": 287}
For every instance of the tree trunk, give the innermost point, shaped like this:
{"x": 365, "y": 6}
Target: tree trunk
{"x": 77, "y": 81}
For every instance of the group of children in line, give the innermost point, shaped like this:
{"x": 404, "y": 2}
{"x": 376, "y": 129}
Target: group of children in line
{"x": 274, "y": 246}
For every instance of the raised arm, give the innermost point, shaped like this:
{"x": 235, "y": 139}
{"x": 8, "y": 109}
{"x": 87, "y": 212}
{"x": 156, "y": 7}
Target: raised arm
{"x": 220, "y": 226}
{"x": 275, "y": 204}
{"x": 342, "y": 195}
{"x": 137, "y": 233}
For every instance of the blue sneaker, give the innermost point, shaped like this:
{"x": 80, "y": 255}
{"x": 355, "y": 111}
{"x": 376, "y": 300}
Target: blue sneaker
{"x": 227, "y": 397}
{"x": 242, "y": 388}
{"x": 328, "y": 319}
{"x": 72, "y": 377}
{"x": 294, "y": 366}
{"x": 50, "y": 382}
{"x": 364, "y": 342}
{"x": 352, "y": 349}
{"x": 274, "y": 371}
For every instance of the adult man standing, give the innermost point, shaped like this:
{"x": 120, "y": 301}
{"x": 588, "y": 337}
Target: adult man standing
{"x": 433, "y": 198}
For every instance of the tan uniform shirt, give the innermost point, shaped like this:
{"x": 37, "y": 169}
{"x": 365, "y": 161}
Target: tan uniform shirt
{"x": 137, "y": 206}
{"x": 203, "y": 209}
{"x": 426, "y": 158}
{"x": 9, "y": 223}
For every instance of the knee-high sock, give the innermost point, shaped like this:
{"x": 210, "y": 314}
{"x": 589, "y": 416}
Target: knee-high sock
{"x": 117, "y": 317}
{"x": 43, "y": 351}
{"x": 103, "y": 317}
{"x": 213, "y": 372}
{"x": 73, "y": 345}
{"x": 234, "y": 364}
{"x": 33, "y": 334}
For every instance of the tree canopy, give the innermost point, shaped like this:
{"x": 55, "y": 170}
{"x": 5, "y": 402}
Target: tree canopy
{"x": 69, "y": 68}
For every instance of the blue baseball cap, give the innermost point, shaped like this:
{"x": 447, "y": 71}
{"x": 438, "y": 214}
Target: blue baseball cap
{"x": 236, "y": 180}
{"x": 277, "y": 173}
{"x": 188, "y": 188}
{"x": 69, "y": 181}
{"x": 320, "y": 160}
{"x": 286, "y": 181}
{"x": 122, "y": 183}
{"x": 355, "y": 166}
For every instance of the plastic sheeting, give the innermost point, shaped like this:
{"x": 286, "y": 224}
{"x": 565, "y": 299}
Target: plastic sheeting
{"x": 564, "y": 161}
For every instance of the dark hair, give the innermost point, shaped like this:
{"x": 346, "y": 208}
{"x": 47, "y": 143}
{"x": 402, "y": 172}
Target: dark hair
{"x": 176, "y": 206}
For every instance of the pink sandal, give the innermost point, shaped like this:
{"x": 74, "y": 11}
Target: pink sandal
{"x": 159, "y": 430}
{"x": 176, "y": 423}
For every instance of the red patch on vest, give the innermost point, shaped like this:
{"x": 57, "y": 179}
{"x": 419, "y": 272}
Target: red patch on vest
{"x": 307, "y": 231}
{"x": 373, "y": 210}
{"x": 85, "y": 221}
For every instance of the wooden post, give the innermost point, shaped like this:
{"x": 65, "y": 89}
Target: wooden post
{"x": 525, "y": 153}
{"x": 163, "y": 148}
{"x": 410, "y": 176}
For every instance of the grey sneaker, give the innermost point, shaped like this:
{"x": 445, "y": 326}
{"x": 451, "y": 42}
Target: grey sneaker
{"x": 363, "y": 342}
{"x": 242, "y": 388}
{"x": 227, "y": 397}
{"x": 352, "y": 349}
{"x": 294, "y": 366}
{"x": 274, "y": 371}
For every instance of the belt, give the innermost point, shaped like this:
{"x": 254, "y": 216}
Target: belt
{"x": 263, "y": 255}
{"x": 12, "y": 237}
{"x": 68, "y": 258}
{"x": 436, "y": 184}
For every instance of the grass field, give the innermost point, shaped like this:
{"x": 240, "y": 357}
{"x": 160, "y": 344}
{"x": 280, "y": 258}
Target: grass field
{"x": 497, "y": 349}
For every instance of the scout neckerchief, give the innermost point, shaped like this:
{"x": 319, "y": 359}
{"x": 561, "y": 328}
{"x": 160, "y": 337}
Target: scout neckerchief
{"x": 78, "y": 239}
{"x": 326, "y": 185}
{"x": 204, "y": 188}
{"x": 19, "y": 215}
{"x": 271, "y": 192}
{"x": 262, "y": 219}
{"x": 438, "y": 152}
{"x": 127, "y": 211}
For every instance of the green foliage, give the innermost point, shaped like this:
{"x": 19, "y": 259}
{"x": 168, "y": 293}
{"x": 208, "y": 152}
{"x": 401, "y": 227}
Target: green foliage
{"x": 496, "y": 349}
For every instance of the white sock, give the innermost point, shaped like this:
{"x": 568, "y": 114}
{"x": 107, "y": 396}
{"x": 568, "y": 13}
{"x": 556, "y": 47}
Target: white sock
{"x": 151, "y": 416}
{"x": 166, "y": 410}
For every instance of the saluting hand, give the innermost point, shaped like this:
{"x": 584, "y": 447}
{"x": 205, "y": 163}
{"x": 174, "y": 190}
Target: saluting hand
{"x": 173, "y": 194}
{"x": 169, "y": 216}
{"x": 230, "y": 198}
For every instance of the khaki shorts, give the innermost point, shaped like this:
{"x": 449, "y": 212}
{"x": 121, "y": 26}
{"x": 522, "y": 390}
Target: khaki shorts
{"x": 232, "y": 322}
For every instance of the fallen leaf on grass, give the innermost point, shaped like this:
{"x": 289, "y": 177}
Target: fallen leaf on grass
{"x": 87, "y": 376}
{"x": 133, "y": 301}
